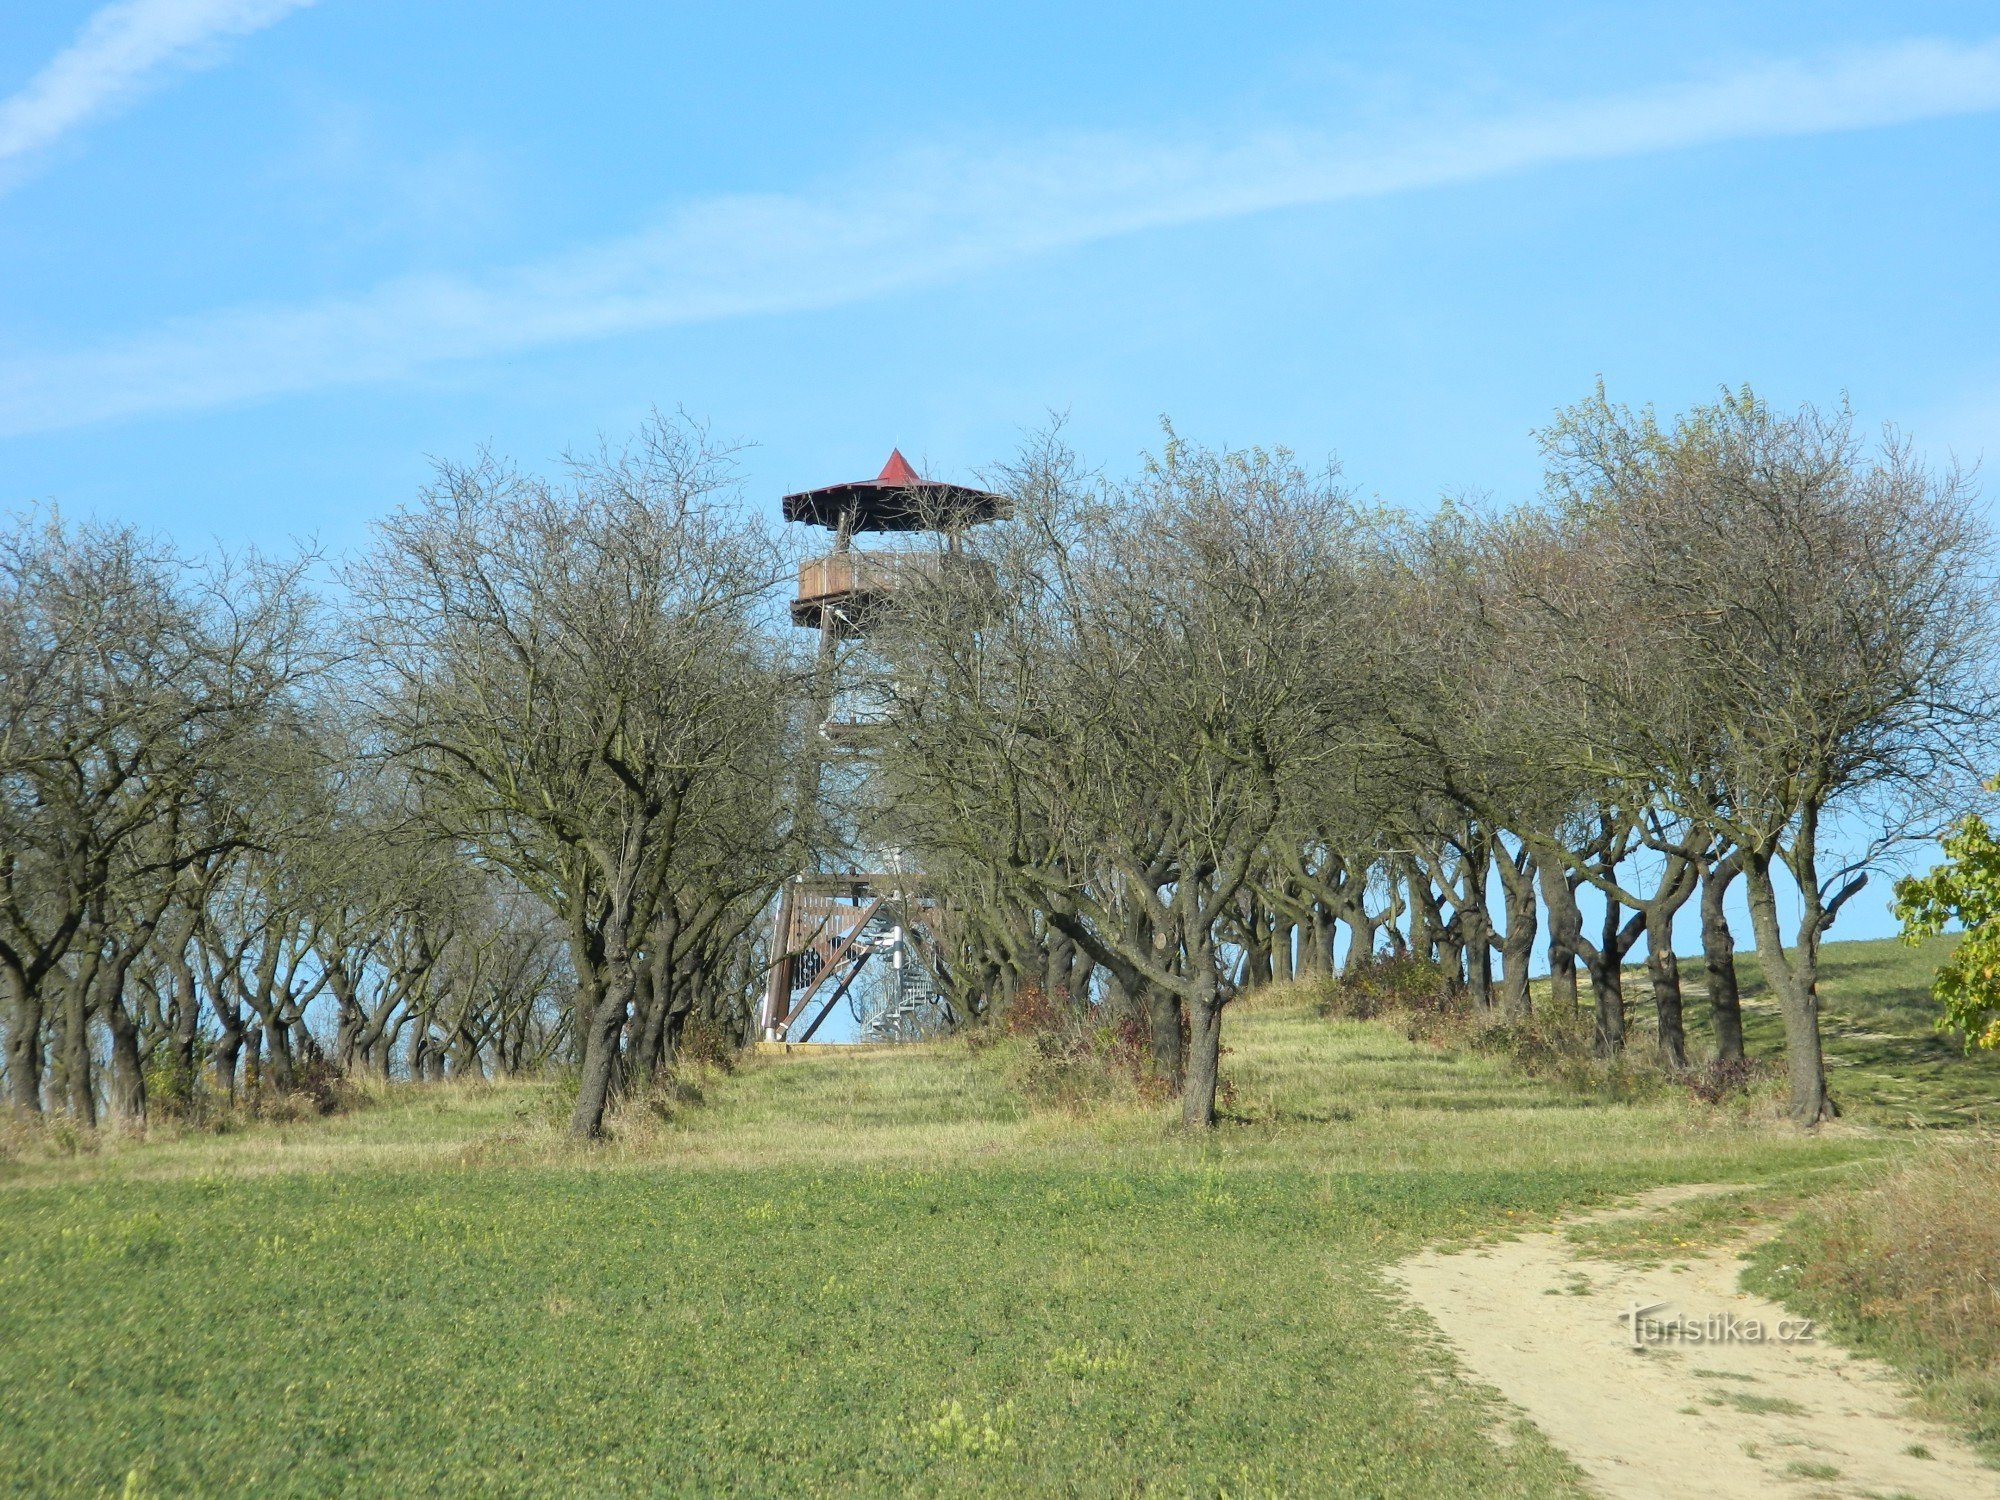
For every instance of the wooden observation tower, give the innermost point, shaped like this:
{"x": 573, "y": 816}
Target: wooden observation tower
{"x": 832, "y": 923}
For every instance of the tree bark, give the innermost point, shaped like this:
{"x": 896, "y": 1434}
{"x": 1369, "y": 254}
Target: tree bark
{"x": 1793, "y": 979}
{"x": 349, "y": 1019}
{"x": 600, "y": 1061}
{"x": 183, "y": 1019}
{"x": 228, "y": 1043}
{"x": 1204, "y": 1061}
{"x": 1256, "y": 943}
{"x": 1165, "y": 1037}
{"x": 127, "y": 1093}
{"x": 1565, "y": 934}
{"x": 1718, "y": 951}
{"x": 604, "y": 1028}
{"x": 24, "y": 1040}
{"x": 1607, "y": 985}
{"x": 1517, "y": 942}
{"x": 1056, "y": 964}
{"x": 1352, "y": 913}
{"x": 77, "y": 1067}
{"x": 1476, "y": 924}
{"x": 1283, "y": 966}
{"x": 1426, "y": 920}
{"x": 1664, "y": 971}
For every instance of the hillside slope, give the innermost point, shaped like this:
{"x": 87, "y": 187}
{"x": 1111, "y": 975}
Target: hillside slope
{"x": 847, "y": 1273}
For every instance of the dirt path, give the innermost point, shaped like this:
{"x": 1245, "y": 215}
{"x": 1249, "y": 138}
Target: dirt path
{"x": 1718, "y": 1419}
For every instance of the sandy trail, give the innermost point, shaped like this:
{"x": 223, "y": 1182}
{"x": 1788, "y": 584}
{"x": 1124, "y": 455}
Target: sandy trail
{"x": 1716, "y": 1419}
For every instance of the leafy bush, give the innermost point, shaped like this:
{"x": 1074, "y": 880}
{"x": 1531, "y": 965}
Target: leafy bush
{"x": 1965, "y": 890}
{"x": 177, "y": 1090}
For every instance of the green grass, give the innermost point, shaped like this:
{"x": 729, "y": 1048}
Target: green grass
{"x": 1886, "y": 1065}
{"x": 872, "y": 1273}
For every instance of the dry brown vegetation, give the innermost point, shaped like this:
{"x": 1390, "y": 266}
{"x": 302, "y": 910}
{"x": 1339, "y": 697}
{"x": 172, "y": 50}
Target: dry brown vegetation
{"x": 1907, "y": 1265}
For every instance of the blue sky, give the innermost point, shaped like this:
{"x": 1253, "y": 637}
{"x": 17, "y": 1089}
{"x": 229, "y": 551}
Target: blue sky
{"x": 259, "y": 257}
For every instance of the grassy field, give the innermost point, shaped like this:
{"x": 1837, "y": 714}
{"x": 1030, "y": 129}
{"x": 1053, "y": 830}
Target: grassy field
{"x": 871, "y": 1272}
{"x": 1885, "y": 1063}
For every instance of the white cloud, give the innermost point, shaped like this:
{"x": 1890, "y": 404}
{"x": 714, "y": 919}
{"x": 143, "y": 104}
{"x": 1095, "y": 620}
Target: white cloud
{"x": 945, "y": 217}
{"x": 119, "y": 48}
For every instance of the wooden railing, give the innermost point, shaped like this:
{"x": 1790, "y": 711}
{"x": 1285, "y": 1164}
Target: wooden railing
{"x": 852, "y": 583}
{"x": 841, "y": 575}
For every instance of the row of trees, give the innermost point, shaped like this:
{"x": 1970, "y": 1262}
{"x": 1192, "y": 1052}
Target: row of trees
{"x": 504, "y": 792}
{"x": 514, "y": 788}
{"x": 1212, "y": 716}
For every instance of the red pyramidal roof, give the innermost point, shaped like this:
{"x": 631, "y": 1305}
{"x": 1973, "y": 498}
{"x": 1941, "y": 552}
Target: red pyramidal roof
{"x": 897, "y": 499}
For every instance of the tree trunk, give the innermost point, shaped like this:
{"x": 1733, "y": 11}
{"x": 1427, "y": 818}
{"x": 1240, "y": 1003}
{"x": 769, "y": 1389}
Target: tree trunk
{"x": 183, "y": 1025}
{"x": 1478, "y": 935}
{"x": 1081, "y": 977}
{"x": 678, "y": 1011}
{"x": 1426, "y": 920}
{"x": 1718, "y": 951}
{"x": 1565, "y": 937}
{"x": 263, "y": 999}
{"x": 1164, "y": 1036}
{"x": 600, "y": 1060}
{"x": 127, "y": 1094}
{"x": 278, "y": 1047}
{"x": 1449, "y": 946}
{"x": 24, "y": 1040}
{"x": 76, "y": 1042}
{"x": 604, "y": 1028}
{"x": 1517, "y": 943}
{"x": 1793, "y": 980}
{"x": 1476, "y": 923}
{"x": 1283, "y": 967}
{"x": 1664, "y": 971}
{"x": 1204, "y": 1060}
{"x": 228, "y": 1043}
{"x": 1607, "y": 985}
{"x": 1256, "y": 943}
{"x": 1352, "y": 912}
{"x": 1056, "y": 964}
{"x": 649, "y": 1020}
{"x": 350, "y": 1020}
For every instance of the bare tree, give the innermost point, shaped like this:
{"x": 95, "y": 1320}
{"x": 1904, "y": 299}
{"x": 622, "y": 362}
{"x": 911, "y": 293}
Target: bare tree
{"x": 1118, "y": 725}
{"x": 134, "y": 681}
{"x": 1787, "y": 626}
{"x": 568, "y": 669}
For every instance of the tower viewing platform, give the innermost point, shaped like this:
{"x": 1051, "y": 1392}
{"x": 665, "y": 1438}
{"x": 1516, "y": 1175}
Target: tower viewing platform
{"x": 839, "y": 591}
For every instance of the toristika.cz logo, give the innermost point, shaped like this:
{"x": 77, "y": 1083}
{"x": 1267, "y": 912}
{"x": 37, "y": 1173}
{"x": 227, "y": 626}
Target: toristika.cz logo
{"x": 1713, "y": 1328}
